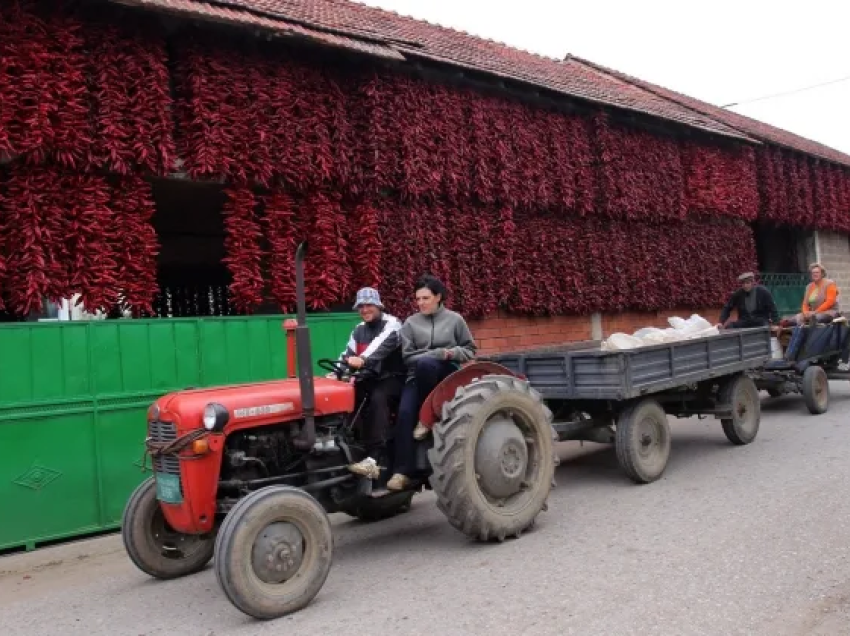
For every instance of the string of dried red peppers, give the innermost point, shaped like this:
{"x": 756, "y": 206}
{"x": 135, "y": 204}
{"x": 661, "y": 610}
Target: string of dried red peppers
{"x": 244, "y": 259}
{"x": 283, "y": 235}
{"x": 132, "y": 99}
{"x": 137, "y": 243}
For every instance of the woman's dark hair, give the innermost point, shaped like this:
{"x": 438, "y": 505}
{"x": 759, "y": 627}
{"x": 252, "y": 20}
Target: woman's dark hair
{"x": 432, "y": 284}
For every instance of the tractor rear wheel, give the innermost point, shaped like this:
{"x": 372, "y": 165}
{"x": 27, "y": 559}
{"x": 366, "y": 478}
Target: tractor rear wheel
{"x": 153, "y": 546}
{"x": 816, "y": 390}
{"x": 493, "y": 458}
{"x": 274, "y": 552}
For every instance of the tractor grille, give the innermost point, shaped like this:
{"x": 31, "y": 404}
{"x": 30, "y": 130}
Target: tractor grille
{"x": 164, "y": 432}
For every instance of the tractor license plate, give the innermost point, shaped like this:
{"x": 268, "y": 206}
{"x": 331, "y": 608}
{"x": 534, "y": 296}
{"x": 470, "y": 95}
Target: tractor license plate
{"x": 168, "y": 488}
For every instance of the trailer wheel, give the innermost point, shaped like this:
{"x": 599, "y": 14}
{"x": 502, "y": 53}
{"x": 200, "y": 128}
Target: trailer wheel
{"x": 274, "y": 552}
{"x": 153, "y": 546}
{"x": 816, "y": 390}
{"x": 379, "y": 508}
{"x": 742, "y": 395}
{"x": 493, "y": 458}
{"x": 642, "y": 441}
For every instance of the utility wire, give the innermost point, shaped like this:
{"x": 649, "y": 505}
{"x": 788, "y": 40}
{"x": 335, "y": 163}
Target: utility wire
{"x": 793, "y": 92}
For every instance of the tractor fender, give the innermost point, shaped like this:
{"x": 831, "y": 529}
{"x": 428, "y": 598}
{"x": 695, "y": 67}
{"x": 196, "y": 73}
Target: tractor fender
{"x": 432, "y": 407}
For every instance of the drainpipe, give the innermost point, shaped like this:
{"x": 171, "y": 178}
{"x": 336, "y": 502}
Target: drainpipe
{"x": 596, "y": 326}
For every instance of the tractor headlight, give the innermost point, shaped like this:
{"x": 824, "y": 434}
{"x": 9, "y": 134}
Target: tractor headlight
{"x": 153, "y": 412}
{"x": 215, "y": 417}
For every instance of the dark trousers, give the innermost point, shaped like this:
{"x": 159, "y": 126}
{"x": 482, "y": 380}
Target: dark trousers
{"x": 748, "y": 323}
{"x": 429, "y": 372}
{"x": 375, "y": 417}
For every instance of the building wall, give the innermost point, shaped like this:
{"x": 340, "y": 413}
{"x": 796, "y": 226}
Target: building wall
{"x": 503, "y": 332}
{"x": 834, "y": 255}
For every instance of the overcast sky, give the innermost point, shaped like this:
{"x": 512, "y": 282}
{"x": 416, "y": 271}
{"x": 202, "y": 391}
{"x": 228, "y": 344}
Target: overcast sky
{"x": 720, "y": 51}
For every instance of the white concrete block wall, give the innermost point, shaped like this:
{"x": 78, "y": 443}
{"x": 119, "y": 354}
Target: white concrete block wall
{"x": 834, "y": 253}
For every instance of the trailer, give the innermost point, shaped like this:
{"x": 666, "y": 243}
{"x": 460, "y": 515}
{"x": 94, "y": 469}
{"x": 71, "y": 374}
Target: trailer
{"x": 624, "y": 397}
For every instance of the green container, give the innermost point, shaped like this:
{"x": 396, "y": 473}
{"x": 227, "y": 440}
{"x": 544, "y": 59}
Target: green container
{"x": 73, "y": 399}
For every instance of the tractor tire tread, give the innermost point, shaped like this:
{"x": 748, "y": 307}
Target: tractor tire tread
{"x": 457, "y": 496}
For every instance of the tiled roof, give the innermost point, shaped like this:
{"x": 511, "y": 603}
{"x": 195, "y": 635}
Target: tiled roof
{"x": 749, "y": 126}
{"x": 374, "y": 31}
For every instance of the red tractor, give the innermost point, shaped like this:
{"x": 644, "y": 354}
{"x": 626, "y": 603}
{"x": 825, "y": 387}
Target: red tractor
{"x": 249, "y": 473}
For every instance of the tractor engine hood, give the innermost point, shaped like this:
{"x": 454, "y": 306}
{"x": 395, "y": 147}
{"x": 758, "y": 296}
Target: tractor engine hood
{"x": 253, "y": 404}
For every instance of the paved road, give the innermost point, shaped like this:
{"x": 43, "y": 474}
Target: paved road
{"x": 750, "y": 540}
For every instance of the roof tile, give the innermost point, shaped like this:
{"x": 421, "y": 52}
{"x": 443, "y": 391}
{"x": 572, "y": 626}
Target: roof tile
{"x": 748, "y": 125}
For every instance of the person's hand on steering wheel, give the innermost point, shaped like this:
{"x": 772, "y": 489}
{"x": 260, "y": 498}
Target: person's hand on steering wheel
{"x": 335, "y": 368}
{"x": 341, "y": 368}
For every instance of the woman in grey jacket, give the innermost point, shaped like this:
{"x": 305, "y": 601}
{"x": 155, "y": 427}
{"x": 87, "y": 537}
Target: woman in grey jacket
{"x": 434, "y": 343}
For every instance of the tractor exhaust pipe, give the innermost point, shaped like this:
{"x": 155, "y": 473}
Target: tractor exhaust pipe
{"x": 307, "y": 438}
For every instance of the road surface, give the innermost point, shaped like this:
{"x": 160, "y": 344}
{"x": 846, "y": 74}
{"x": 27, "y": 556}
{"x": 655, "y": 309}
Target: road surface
{"x": 752, "y": 540}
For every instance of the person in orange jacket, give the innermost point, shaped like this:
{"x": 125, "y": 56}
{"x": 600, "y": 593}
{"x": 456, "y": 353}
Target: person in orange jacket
{"x": 820, "y": 299}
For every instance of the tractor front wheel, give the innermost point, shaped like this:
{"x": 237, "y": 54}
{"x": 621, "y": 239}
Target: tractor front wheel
{"x": 274, "y": 552}
{"x": 493, "y": 458}
{"x": 153, "y": 546}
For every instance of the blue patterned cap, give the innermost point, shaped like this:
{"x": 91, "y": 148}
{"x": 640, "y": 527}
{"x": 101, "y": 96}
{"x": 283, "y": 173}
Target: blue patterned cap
{"x": 368, "y": 296}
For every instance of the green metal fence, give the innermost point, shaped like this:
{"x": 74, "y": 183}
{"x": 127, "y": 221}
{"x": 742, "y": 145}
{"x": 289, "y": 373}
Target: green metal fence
{"x": 73, "y": 398}
{"x": 787, "y": 290}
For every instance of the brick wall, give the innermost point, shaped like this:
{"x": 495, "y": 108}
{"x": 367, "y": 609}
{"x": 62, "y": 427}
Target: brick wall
{"x": 503, "y": 332}
{"x": 834, "y": 254}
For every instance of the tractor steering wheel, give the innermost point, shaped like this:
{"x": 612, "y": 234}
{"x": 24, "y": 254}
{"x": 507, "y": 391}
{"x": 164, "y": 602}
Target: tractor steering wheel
{"x": 338, "y": 367}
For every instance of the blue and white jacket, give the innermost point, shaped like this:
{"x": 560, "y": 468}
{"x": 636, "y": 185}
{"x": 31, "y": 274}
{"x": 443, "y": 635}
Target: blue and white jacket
{"x": 379, "y": 344}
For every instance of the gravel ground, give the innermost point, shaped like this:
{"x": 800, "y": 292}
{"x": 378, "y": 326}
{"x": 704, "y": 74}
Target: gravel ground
{"x": 750, "y": 540}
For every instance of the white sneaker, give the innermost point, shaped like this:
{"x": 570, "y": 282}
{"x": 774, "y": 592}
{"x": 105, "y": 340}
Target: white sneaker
{"x": 367, "y": 468}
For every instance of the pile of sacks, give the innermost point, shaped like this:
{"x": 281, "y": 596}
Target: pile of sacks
{"x": 680, "y": 329}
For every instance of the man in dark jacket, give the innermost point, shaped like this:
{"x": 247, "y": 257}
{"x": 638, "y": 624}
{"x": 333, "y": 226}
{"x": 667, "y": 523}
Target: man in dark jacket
{"x": 754, "y": 304}
{"x": 374, "y": 350}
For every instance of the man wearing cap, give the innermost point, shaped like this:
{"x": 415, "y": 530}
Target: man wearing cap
{"x": 754, "y": 303}
{"x": 374, "y": 349}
